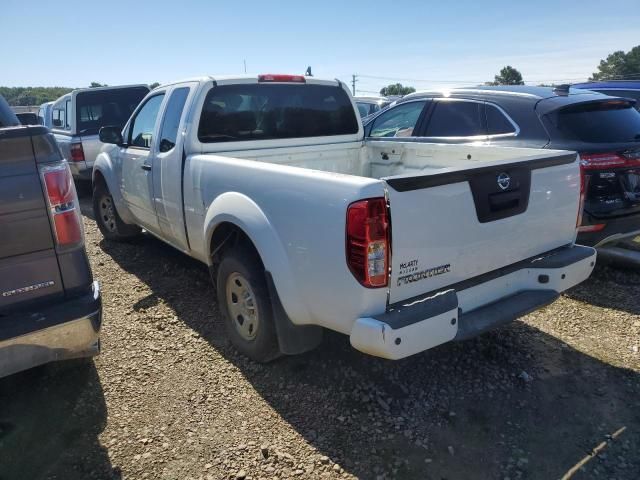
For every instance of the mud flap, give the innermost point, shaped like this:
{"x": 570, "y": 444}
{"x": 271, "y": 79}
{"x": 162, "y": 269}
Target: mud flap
{"x": 292, "y": 339}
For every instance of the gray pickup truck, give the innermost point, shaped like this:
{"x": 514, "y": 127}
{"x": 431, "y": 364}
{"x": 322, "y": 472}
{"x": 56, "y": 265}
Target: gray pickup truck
{"x": 50, "y": 306}
{"x": 77, "y": 117}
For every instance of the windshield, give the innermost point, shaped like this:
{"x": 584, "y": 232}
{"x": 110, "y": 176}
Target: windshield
{"x": 101, "y": 108}
{"x": 269, "y": 111}
{"x": 600, "y": 122}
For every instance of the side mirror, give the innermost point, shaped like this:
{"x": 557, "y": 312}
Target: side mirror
{"x": 111, "y": 134}
{"x": 57, "y": 122}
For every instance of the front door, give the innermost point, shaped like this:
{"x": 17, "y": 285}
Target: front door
{"x": 137, "y": 163}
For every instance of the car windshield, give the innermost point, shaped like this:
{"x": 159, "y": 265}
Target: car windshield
{"x": 101, "y": 108}
{"x": 270, "y": 111}
{"x": 599, "y": 122}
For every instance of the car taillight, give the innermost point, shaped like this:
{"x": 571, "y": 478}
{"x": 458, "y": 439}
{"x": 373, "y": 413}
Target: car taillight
{"x": 77, "y": 153}
{"x": 63, "y": 204}
{"x": 270, "y": 77}
{"x": 367, "y": 246}
{"x": 592, "y": 228}
{"x": 597, "y": 161}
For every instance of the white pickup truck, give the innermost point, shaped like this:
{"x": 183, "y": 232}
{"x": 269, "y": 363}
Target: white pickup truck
{"x": 400, "y": 245}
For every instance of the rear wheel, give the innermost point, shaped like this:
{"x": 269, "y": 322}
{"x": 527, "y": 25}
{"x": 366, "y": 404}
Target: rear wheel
{"x": 245, "y": 305}
{"x": 107, "y": 218}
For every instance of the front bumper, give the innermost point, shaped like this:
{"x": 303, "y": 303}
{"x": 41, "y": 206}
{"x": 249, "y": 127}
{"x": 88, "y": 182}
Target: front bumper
{"x": 474, "y": 306}
{"x": 63, "y": 331}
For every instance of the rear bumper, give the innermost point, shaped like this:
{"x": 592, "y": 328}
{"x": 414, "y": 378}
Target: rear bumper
{"x": 80, "y": 170}
{"x": 63, "y": 331}
{"x": 615, "y": 229}
{"x": 475, "y": 306}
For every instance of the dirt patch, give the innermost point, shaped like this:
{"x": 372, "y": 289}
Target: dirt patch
{"x": 170, "y": 399}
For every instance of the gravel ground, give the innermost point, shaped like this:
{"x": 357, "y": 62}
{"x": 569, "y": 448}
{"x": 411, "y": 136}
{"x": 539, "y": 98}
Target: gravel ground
{"x": 169, "y": 398}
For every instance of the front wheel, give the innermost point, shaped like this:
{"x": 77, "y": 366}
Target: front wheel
{"x": 244, "y": 302}
{"x": 107, "y": 218}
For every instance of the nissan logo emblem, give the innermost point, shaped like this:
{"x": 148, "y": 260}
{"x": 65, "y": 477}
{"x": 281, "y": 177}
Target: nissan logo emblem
{"x": 504, "y": 180}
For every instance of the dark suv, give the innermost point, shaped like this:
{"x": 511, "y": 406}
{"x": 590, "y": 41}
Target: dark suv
{"x": 50, "y": 307}
{"x": 604, "y": 130}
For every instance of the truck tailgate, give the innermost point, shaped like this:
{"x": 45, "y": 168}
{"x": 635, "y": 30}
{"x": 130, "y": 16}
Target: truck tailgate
{"x": 28, "y": 264}
{"x": 453, "y": 224}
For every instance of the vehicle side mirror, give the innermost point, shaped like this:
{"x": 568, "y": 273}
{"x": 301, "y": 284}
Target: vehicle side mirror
{"x": 57, "y": 122}
{"x": 111, "y": 134}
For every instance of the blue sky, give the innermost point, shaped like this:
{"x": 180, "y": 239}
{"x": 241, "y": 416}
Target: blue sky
{"x": 421, "y": 43}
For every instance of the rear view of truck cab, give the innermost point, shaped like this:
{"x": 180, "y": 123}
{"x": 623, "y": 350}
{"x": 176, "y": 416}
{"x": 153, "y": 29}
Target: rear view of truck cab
{"x": 50, "y": 307}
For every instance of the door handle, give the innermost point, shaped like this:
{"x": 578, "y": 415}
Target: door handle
{"x": 146, "y": 167}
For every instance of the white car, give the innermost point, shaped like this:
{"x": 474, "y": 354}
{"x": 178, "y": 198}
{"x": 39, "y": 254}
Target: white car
{"x": 370, "y": 105}
{"x": 305, "y": 225}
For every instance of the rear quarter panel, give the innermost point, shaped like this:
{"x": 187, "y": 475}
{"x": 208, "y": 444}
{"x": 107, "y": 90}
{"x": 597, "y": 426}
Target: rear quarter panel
{"x": 296, "y": 219}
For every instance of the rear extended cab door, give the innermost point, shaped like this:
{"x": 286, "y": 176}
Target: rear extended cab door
{"x": 168, "y": 164}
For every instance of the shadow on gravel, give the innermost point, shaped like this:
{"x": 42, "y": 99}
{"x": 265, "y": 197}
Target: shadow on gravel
{"x": 459, "y": 411}
{"x": 614, "y": 287}
{"x": 50, "y": 419}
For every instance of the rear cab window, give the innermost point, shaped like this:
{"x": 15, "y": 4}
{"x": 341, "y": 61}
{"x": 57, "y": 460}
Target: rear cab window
{"x": 609, "y": 121}
{"x": 262, "y": 111}
{"x": 102, "y": 108}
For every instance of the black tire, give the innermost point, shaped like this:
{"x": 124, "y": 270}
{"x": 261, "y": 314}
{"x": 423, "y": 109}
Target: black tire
{"x": 244, "y": 264}
{"x": 111, "y": 226}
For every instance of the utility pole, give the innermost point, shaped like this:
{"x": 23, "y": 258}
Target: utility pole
{"x": 245, "y": 66}
{"x": 353, "y": 82}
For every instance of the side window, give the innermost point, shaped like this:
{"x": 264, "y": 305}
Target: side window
{"x": 67, "y": 117}
{"x": 141, "y": 130}
{"x": 41, "y": 116}
{"x": 456, "y": 119}
{"x": 397, "y": 122}
{"x": 59, "y": 116}
{"x": 172, "y": 116}
{"x": 497, "y": 123}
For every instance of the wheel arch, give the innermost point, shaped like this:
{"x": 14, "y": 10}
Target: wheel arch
{"x": 236, "y": 214}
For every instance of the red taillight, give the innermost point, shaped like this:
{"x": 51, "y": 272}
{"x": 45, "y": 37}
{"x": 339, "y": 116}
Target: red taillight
{"x": 593, "y": 161}
{"x": 592, "y": 228}
{"x": 63, "y": 204}
{"x": 270, "y": 77}
{"x": 77, "y": 153}
{"x": 367, "y": 246}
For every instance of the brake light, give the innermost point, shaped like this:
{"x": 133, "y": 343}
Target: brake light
{"x": 77, "y": 153}
{"x": 367, "y": 247}
{"x": 592, "y": 228}
{"x": 63, "y": 204}
{"x": 584, "y": 183}
{"x": 270, "y": 77}
{"x": 592, "y": 161}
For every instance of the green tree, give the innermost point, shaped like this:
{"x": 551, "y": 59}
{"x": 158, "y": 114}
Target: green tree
{"x": 154, "y": 85}
{"x": 97, "y": 84}
{"x": 619, "y": 65}
{"x": 396, "y": 89}
{"x": 508, "y": 76}
{"x": 30, "y": 96}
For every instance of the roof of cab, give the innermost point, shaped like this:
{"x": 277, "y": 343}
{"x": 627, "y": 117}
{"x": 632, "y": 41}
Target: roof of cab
{"x": 245, "y": 78}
